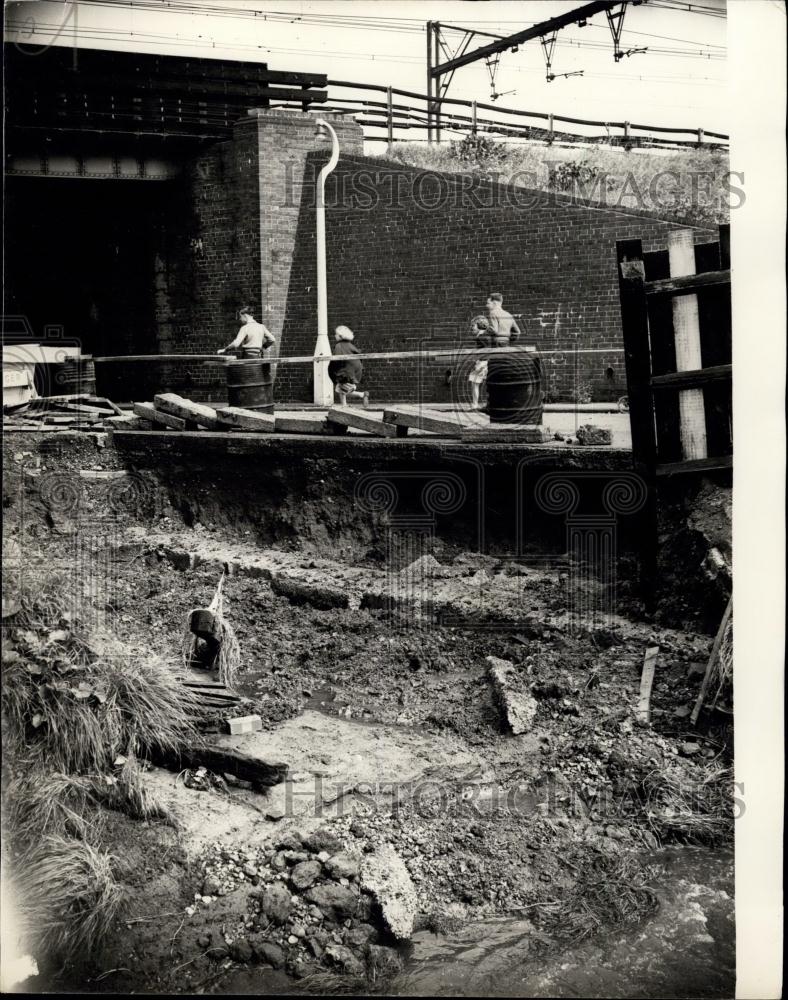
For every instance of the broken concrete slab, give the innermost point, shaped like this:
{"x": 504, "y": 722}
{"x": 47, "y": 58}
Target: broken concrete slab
{"x": 385, "y": 877}
{"x": 518, "y": 708}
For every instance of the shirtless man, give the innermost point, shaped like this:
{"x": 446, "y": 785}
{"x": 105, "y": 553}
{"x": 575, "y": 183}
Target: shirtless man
{"x": 502, "y": 324}
{"x": 253, "y": 338}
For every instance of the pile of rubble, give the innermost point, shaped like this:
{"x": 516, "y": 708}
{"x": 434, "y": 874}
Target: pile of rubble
{"x": 311, "y": 903}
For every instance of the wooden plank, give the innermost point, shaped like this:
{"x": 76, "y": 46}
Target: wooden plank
{"x": 422, "y": 419}
{"x": 686, "y": 284}
{"x": 695, "y": 465}
{"x": 715, "y": 652}
{"x": 525, "y": 433}
{"x": 247, "y": 420}
{"x": 299, "y": 425}
{"x": 687, "y": 379}
{"x": 686, "y": 337}
{"x": 346, "y": 416}
{"x": 637, "y": 355}
{"x": 149, "y": 412}
{"x": 187, "y": 410}
{"x": 643, "y": 714}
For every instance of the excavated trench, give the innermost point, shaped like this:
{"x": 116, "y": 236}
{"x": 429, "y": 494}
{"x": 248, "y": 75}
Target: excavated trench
{"x": 366, "y": 590}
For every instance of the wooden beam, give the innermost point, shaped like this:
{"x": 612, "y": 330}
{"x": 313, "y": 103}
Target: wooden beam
{"x": 525, "y": 433}
{"x": 421, "y": 419}
{"x": 299, "y": 425}
{"x": 346, "y": 416}
{"x": 690, "y": 379}
{"x": 197, "y": 413}
{"x": 715, "y": 652}
{"x": 646, "y": 683}
{"x": 685, "y": 284}
{"x": 637, "y": 350}
{"x": 149, "y": 412}
{"x": 695, "y": 465}
{"x": 247, "y": 420}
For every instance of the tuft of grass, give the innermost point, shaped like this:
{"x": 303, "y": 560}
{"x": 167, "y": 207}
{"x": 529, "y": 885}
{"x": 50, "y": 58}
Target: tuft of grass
{"x": 689, "y": 186}
{"x": 74, "y": 699}
{"x": 689, "y": 808}
{"x": 69, "y": 896}
{"x": 608, "y": 891}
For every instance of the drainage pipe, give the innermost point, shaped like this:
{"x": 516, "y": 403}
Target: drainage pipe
{"x": 323, "y": 389}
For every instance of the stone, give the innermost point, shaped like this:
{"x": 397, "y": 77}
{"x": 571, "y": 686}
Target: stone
{"x": 517, "y": 708}
{"x": 324, "y": 840}
{"x": 336, "y": 902}
{"x": 269, "y": 952}
{"x": 315, "y": 947}
{"x": 305, "y": 874}
{"x": 279, "y": 861}
{"x": 210, "y": 886}
{"x": 204, "y": 941}
{"x": 343, "y": 865}
{"x": 358, "y": 936}
{"x": 342, "y": 956}
{"x": 289, "y": 842}
{"x": 241, "y": 950}
{"x": 385, "y": 877}
{"x": 277, "y": 904}
{"x": 589, "y": 434}
{"x": 383, "y": 963}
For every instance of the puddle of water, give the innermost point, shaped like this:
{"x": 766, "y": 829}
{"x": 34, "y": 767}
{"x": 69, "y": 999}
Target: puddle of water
{"x": 686, "y": 950}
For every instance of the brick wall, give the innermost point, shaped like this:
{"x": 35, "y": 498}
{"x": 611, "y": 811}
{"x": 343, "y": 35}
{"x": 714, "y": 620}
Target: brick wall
{"x": 412, "y": 257}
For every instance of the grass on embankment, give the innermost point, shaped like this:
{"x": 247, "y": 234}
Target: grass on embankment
{"x": 692, "y": 186}
{"x": 78, "y": 709}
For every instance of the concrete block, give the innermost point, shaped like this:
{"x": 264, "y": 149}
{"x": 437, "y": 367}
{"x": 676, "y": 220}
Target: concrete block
{"x": 245, "y": 724}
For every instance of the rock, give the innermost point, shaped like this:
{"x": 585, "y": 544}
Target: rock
{"x": 241, "y": 950}
{"x": 315, "y": 947}
{"x": 290, "y": 842}
{"x": 589, "y": 434}
{"x": 337, "y": 902}
{"x": 305, "y": 874}
{"x": 210, "y": 886}
{"x": 315, "y": 912}
{"x": 385, "y": 877}
{"x": 277, "y": 904}
{"x": 293, "y": 857}
{"x": 344, "y": 958}
{"x": 518, "y": 708}
{"x": 358, "y": 936}
{"x": 299, "y": 930}
{"x": 269, "y": 952}
{"x": 250, "y": 871}
{"x": 218, "y": 953}
{"x": 324, "y": 840}
{"x": 383, "y": 963}
{"x": 279, "y": 861}
{"x": 343, "y": 865}
{"x": 204, "y": 941}
{"x": 275, "y": 811}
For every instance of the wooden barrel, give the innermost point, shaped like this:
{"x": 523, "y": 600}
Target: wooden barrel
{"x": 514, "y": 388}
{"x": 250, "y": 384}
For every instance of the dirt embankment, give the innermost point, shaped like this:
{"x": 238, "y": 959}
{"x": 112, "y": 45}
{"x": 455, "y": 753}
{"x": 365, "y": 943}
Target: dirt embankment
{"x": 372, "y": 687}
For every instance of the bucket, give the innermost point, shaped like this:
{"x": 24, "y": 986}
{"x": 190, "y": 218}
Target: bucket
{"x": 250, "y": 385}
{"x": 514, "y": 388}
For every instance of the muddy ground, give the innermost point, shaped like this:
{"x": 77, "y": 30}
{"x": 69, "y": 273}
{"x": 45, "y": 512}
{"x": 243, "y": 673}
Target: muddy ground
{"x": 372, "y": 688}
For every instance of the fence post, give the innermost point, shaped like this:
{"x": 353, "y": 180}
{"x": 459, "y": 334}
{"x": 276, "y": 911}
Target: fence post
{"x": 473, "y": 117}
{"x": 626, "y": 131}
{"x": 686, "y": 334}
{"x": 390, "y": 119}
{"x": 700, "y": 137}
{"x": 550, "y": 127}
